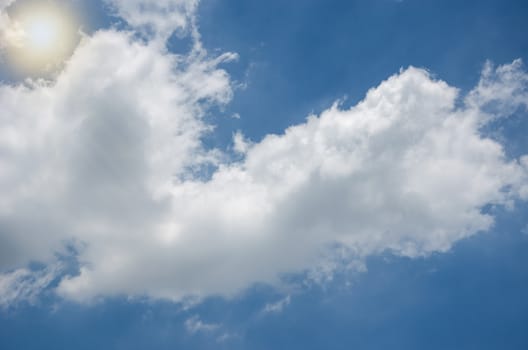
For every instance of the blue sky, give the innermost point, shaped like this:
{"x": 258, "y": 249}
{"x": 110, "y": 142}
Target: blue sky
{"x": 163, "y": 187}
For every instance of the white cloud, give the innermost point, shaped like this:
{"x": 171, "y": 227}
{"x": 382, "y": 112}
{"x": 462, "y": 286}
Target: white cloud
{"x": 103, "y": 157}
{"x": 240, "y": 143}
{"x": 157, "y": 18}
{"x": 5, "y": 4}
{"x": 9, "y": 33}
{"x": 196, "y": 325}
{"x": 93, "y": 153}
{"x": 500, "y": 91}
{"x": 404, "y": 170}
{"x": 23, "y": 285}
{"x": 277, "y": 306}
{"x": 225, "y": 337}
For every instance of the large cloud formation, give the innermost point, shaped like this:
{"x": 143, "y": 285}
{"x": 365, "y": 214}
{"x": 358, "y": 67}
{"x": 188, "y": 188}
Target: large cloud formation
{"x": 105, "y": 158}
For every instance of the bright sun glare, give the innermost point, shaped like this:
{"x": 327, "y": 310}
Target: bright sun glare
{"x": 46, "y": 35}
{"x": 42, "y": 33}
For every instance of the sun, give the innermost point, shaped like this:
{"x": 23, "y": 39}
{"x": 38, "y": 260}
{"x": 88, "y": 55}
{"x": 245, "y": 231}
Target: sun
{"x": 43, "y": 34}
{"x": 43, "y": 37}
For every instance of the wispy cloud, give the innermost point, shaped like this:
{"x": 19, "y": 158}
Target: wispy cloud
{"x": 277, "y": 306}
{"x": 196, "y": 325}
{"x": 25, "y": 286}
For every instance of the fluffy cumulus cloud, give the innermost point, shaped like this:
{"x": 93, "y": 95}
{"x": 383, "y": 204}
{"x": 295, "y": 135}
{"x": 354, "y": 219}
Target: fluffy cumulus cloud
{"x": 104, "y": 159}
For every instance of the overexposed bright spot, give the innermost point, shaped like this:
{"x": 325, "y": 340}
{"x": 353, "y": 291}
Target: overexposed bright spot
{"x": 42, "y": 33}
{"x": 44, "y": 36}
